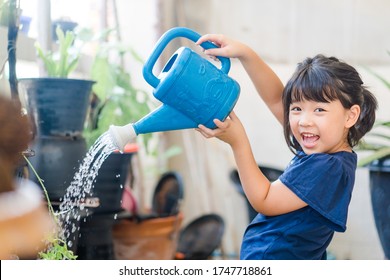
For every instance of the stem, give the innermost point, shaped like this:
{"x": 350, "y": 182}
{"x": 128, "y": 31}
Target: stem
{"x": 49, "y": 205}
{"x": 13, "y": 27}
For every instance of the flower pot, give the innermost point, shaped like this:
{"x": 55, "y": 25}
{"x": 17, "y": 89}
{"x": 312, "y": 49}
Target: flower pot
{"x": 24, "y": 221}
{"x": 150, "y": 239}
{"x": 199, "y": 239}
{"x": 56, "y": 160}
{"x": 95, "y": 238}
{"x": 65, "y": 25}
{"x": 380, "y": 199}
{"x": 110, "y": 183}
{"x": 25, "y": 22}
{"x": 271, "y": 173}
{"x": 57, "y": 106}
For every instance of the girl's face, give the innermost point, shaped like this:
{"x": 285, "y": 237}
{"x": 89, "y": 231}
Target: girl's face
{"x": 322, "y": 127}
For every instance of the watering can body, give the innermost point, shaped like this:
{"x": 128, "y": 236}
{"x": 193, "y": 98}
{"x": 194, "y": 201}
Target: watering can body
{"x": 191, "y": 89}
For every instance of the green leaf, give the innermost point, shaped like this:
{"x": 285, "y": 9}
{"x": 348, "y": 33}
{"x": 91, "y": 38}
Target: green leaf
{"x": 379, "y": 77}
{"x": 62, "y": 63}
{"x": 384, "y": 152}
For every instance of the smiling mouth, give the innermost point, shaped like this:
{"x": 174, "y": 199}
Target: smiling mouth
{"x": 309, "y": 139}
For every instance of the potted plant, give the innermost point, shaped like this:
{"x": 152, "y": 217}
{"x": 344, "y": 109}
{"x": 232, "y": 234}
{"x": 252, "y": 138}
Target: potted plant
{"x": 58, "y": 105}
{"x": 377, "y": 144}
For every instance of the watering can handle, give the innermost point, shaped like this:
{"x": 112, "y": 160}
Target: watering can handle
{"x": 163, "y": 42}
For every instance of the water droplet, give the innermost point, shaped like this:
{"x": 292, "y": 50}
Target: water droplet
{"x": 82, "y": 184}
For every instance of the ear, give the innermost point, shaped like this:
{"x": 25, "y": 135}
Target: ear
{"x": 352, "y": 116}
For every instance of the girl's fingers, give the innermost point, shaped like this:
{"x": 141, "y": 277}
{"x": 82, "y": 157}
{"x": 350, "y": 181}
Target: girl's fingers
{"x": 208, "y": 132}
{"x": 214, "y": 38}
{"x": 204, "y": 130}
{"x": 233, "y": 116}
{"x": 219, "y": 124}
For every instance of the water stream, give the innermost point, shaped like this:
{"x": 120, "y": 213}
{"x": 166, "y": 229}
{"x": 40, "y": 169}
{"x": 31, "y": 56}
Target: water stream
{"x": 74, "y": 204}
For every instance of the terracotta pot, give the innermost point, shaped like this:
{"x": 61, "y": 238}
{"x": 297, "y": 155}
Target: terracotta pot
{"x": 24, "y": 222}
{"x": 151, "y": 239}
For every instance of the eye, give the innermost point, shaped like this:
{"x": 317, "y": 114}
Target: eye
{"x": 319, "y": 110}
{"x": 295, "y": 109}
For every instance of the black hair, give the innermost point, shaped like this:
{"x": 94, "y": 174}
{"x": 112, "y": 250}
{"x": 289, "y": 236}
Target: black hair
{"x": 325, "y": 79}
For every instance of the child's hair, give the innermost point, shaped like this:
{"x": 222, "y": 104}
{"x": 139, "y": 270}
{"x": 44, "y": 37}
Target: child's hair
{"x": 325, "y": 79}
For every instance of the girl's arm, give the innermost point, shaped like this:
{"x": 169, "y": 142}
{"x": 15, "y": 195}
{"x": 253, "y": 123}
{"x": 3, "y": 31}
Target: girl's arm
{"x": 265, "y": 197}
{"x": 266, "y": 82}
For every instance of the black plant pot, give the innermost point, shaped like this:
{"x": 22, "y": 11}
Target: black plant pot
{"x": 380, "y": 199}
{"x": 56, "y": 161}
{"x": 110, "y": 183}
{"x": 271, "y": 173}
{"x": 65, "y": 25}
{"x": 57, "y": 106}
{"x": 95, "y": 238}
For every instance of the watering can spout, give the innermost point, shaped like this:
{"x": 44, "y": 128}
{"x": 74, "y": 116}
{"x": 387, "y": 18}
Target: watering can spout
{"x": 121, "y": 135}
{"x": 164, "y": 118}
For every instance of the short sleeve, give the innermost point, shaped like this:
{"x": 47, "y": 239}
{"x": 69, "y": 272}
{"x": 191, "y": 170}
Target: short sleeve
{"x": 325, "y": 183}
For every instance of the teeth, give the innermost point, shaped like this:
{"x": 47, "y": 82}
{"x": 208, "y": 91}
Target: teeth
{"x": 308, "y": 134}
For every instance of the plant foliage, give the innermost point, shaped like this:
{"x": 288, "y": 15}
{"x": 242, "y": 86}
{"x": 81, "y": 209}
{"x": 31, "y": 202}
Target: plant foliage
{"x": 377, "y": 141}
{"x": 115, "y": 98}
{"x": 61, "y": 63}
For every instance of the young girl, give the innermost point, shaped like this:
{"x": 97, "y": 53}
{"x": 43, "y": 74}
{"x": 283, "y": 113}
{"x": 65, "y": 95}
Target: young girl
{"x": 325, "y": 110}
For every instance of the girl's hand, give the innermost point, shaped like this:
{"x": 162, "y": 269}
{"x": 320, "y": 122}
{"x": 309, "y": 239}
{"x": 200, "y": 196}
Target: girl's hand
{"x": 230, "y": 131}
{"x": 227, "y": 47}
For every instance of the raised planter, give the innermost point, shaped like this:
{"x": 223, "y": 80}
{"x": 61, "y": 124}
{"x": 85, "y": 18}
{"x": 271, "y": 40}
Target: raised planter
{"x": 380, "y": 199}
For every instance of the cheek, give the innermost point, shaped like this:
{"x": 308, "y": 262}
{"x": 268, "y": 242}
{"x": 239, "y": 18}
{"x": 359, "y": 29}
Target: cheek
{"x": 333, "y": 131}
{"x": 293, "y": 121}
{"x": 293, "y": 124}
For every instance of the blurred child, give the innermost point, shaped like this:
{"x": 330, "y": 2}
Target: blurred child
{"x": 24, "y": 219}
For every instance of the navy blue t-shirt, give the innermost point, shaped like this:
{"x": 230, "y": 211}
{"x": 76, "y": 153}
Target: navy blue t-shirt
{"x": 325, "y": 183}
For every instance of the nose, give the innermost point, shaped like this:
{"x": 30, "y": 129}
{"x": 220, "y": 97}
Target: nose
{"x": 305, "y": 120}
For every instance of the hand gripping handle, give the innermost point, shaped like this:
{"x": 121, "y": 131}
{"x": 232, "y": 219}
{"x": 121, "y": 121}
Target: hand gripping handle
{"x": 163, "y": 42}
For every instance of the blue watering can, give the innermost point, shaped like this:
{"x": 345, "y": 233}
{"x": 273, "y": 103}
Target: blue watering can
{"x": 192, "y": 90}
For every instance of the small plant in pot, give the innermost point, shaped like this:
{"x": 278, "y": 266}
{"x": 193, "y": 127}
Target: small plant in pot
{"x": 58, "y": 108}
{"x": 58, "y": 103}
{"x": 63, "y": 62}
{"x": 377, "y": 145}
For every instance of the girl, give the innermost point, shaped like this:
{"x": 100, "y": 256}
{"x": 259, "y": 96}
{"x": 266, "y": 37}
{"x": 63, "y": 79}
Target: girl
{"x": 325, "y": 110}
